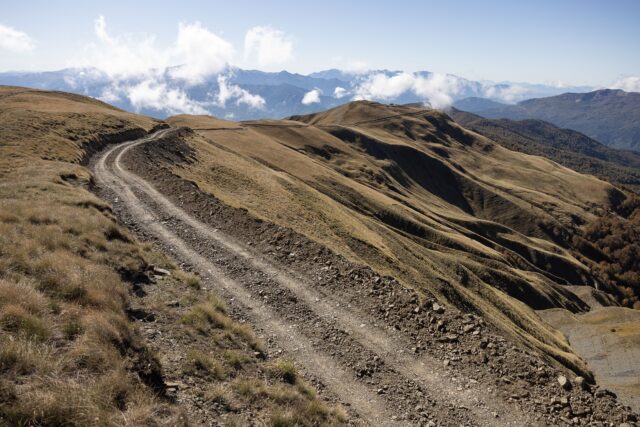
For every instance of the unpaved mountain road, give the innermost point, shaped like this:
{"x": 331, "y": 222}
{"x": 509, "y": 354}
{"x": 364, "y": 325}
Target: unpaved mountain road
{"x": 329, "y": 340}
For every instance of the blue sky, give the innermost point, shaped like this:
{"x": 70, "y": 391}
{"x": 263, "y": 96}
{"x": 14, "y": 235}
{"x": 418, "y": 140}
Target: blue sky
{"x": 575, "y": 42}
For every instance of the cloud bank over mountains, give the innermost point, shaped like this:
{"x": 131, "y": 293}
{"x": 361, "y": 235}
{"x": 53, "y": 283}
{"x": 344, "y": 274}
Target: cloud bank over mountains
{"x": 199, "y": 73}
{"x": 628, "y": 84}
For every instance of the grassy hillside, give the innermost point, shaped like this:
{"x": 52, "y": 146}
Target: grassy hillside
{"x": 608, "y": 116}
{"x": 70, "y": 353}
{"x": 567, "y": 147}
{"x": 416, "y": 196}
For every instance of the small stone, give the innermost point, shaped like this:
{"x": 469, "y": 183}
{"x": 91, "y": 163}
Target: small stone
{"x": 438, "y": 308}
{"x": 468, "y": 328}
{"x": 580, "y": 382}
{"x": 603, "y": 392}
{"x": 564, "y": 382}
{"x": 161, "y": 271}
{"x": 449, "y": 338}
{"x": 173, "y": 303}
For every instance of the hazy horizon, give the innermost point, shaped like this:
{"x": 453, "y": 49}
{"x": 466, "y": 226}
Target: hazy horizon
{"x": 568, "y": 44}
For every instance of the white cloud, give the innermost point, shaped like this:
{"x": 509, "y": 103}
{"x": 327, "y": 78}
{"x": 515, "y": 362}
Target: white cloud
{"x": 311, "y": 97}
{"x": 269, "y": 46}
{"x": 339, "y": 92}
{"x": 122, "y": 57}
{"x": 228, "y": 92}
{"x": 196, "y": 54}
{"x": 436, "y": 88}
{"x": 507, "y": 93}
{"x": 158, "y": 96}
{"x": 200, "y": 53}
{"x": 628, "y": 84}
{"x": 381, "y": 86}
{"x": 111, "y": 94}
{"x": 14, "y": 40}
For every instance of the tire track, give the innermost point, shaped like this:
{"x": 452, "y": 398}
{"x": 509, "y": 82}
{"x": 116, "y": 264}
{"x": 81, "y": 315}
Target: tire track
{"x": 390, "y": 348}
{"x": 339, "y": 381}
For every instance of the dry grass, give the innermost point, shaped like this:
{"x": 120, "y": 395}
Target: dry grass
{"x": 190, "y": 279}
{"x": 238, "y": 379}
{"x": 211, "y": 315}
{"x": 66, "y": 344}
{"x": 414, "y": 197}
{"x": 69, "y": 355}
{"x": 201, "y": 362}
{"x": 297, "y": 408}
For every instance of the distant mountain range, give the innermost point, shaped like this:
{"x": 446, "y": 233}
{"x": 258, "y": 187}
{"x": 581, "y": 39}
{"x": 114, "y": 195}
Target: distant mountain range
{"x": 565, "y": 146}
{"x": 609, "y": 116}
{"x": 249, "y": 94}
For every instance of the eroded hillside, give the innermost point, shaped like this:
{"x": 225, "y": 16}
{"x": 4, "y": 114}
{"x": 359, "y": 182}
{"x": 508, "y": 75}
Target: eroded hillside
{"x": 414, "y": 195}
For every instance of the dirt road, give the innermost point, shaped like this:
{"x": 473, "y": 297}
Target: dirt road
{"x": 365, "y": 364}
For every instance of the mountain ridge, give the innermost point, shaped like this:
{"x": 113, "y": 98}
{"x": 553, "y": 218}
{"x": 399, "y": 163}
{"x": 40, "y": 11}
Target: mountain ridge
{"x": 370, "y": 245}
{"x": 252, "y": 94}
{"x": 565, "y": 146}
{"x": 610, "y": 116}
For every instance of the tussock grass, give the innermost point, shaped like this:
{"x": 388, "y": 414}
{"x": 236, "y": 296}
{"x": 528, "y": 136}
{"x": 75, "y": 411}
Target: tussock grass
{"x": 66, "y": 345}
{"x": 190, "y": 280}
{"x": 294, "y": 408}
{"x": 211, "y": 314}
{"x": 236, "y": 359}
{"x": 69, "y": 355}
{"x": 199, "y": 361}
{"x": 284, "y": 370}
{"x": 16, "y": 319}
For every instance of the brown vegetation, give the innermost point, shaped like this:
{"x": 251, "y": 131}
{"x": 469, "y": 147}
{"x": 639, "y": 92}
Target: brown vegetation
{"x": 69, "y": 353}
{"x": 413, "y": 195}
{"x": 617, "y": 236}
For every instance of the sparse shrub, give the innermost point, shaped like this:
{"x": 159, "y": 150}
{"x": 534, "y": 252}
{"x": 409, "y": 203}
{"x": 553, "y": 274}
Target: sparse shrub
{"x": 235, "y": 358}
{"x": 285, "y": 370}
{"x": 203, "y": 315}
{"x": 199, "y": 361}
{"x": 190, "y": 280}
